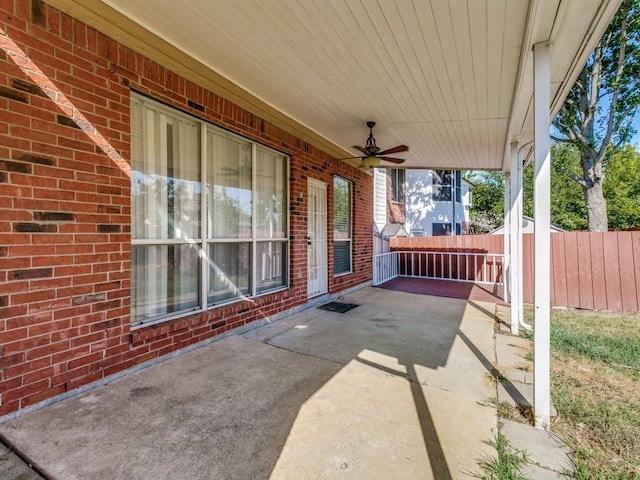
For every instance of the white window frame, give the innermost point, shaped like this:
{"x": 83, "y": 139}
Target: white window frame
{"x": 203, "y": 242}
{"x": 398, "y": 184}
{"x": 350, "y": 239}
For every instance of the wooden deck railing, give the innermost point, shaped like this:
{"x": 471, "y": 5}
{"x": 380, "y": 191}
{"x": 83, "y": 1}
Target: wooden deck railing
{"x": 589, "y": 270}
{"x": 442, "y": 265}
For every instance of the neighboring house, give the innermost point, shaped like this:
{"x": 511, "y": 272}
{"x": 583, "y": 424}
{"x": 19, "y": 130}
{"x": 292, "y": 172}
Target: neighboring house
{"x": 424, "y": 202}
{"x": 528, "y": 225}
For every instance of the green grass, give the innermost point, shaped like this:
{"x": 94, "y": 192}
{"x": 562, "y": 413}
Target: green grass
{"x": 610, "y": 340}
{"x": 508, "y": 462}
{"x": 596, "y": 390}
{"x": 602, "y": 428}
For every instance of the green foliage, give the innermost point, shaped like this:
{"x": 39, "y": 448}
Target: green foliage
{"x": 622, "y": 189}
{"x": 487, "y": 209}
{"x": 608, "y": 87}
{"x": 568, "y": 208}
{"x": 597, "y": 116}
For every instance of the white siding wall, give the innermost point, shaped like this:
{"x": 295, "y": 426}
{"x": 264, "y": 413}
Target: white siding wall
{"x": 380, "y": 197}
{"x": 422, "y": 211}
{"x": 420, "y": 208}
{"x": 466, "y": 200}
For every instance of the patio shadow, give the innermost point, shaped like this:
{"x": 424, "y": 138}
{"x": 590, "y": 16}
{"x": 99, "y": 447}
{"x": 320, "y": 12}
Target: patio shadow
{"x": 381, "y": 392}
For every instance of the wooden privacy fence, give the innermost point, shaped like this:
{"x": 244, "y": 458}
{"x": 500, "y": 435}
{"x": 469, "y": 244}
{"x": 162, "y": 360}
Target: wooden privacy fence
{"x": 589, "y": 270}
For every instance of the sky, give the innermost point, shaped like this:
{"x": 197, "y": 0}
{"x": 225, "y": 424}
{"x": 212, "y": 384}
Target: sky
{"x": 636, "y": 138}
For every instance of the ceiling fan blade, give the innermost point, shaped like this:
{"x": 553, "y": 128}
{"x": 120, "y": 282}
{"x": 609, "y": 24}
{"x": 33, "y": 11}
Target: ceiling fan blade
{"x": 348, "y": 158}
{"x": 396, "y": 149}
{"x": 361, "y": 149}
{"x": 392, "y": 159}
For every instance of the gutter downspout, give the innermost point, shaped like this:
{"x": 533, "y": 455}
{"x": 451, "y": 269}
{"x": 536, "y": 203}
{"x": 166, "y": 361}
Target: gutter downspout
{"x": 516, "y": 245}
{"x": 454, "y": 232}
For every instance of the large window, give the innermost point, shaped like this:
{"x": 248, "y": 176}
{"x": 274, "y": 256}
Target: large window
{"x": 397, "y": 184}
{"x": 209, "y": 218}
{"x": 341, "y": 226}
{"x": 441, "y": 185}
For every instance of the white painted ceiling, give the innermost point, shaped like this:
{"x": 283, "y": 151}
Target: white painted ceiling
{"x": 450, "y": 78}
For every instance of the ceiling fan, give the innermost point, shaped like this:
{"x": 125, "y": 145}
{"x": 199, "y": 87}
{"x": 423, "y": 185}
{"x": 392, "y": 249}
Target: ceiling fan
{"x": 372, "y": 155}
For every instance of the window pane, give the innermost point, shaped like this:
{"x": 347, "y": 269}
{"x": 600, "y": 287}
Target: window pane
{"x": 165, "y": 280}
{"x": 442, "y": 185}
{"x": 440, "y": 229}
{"x": 165, "y": 174}
{"x": 271, "y": 190}
{"x": 229, "y": 271}
{"x": 441, "y": 194}
{"x": 341, "y": 209}
{"x": 341, "y": 257}
{"x": 229, "y": 186}
{"x": 442, "y": 177}
{"x": 271, "y": 265}
{"x": 341, "y": 226}
{"x": 397, "y": 184}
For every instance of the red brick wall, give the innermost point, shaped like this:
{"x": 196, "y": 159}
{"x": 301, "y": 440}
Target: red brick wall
{"x": 65, "y": 207}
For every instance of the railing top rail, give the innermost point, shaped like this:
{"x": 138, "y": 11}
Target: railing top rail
{"x": 385, "y": 254}
{"x": 449, "y": 252}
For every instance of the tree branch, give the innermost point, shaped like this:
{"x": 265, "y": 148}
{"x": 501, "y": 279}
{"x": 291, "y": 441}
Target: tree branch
{"x": 570, "y": 174}
{"x": 624, "y": 11}
{"x": 573, "y": 136}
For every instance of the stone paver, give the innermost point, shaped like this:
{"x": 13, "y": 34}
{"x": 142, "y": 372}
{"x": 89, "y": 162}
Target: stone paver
{"x": 544, "y": 449}
{"x": 549, "y": 456}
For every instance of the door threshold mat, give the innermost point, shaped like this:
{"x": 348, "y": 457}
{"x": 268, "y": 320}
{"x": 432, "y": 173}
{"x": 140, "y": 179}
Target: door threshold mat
{"x": 339, "y": 307}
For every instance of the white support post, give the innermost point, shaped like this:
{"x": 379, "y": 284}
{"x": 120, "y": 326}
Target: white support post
{"x": 516, "y": 238}
{"x": 542, "y": 238}
{"x": 506, "y": 263}
{"x": 518, "y": 245}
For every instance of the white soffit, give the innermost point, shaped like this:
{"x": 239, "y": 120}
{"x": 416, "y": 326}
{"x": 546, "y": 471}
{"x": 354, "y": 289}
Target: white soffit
{"x": 442, "y": 76}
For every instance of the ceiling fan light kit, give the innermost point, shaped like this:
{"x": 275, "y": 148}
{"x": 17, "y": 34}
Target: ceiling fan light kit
{"x": 370, "y": 161}
{"x": 372, "y": 155}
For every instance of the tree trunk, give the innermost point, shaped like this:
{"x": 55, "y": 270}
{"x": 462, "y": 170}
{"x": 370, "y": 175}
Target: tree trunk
{"x": 596, "y": 207}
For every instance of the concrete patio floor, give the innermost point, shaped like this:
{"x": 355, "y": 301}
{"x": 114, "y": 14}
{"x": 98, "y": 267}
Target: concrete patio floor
{"x": 395, "y": 388}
